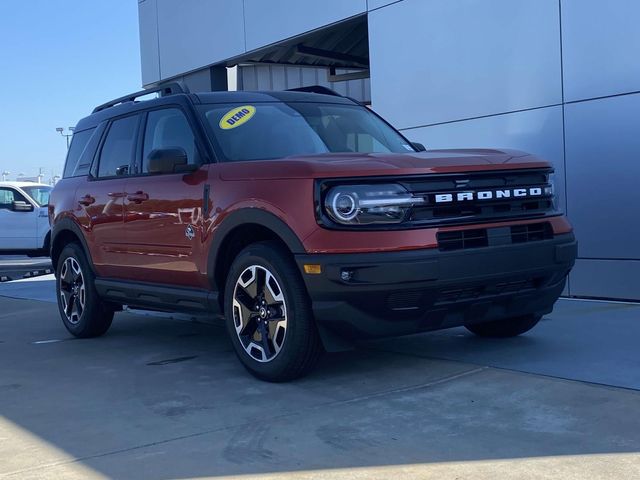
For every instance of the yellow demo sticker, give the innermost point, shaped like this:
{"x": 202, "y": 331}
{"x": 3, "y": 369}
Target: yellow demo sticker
{"x": 236, "y": 117}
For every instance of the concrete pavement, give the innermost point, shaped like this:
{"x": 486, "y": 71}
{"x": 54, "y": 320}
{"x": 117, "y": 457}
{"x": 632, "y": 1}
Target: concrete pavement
{"x": 165, "y": 398}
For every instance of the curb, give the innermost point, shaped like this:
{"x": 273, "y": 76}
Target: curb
{"x": 29, "y": 274}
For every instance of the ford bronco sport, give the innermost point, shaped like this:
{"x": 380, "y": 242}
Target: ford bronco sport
{"x": 304, "y": 218}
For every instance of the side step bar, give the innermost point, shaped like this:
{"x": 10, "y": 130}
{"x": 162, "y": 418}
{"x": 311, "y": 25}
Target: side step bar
{"x": 158, "y": 297}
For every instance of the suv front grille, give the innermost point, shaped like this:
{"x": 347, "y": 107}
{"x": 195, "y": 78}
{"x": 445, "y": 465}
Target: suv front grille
{"x": 463, "y": 239}
{"x": 484, "y": 237}
{"x": 480, "y": 197}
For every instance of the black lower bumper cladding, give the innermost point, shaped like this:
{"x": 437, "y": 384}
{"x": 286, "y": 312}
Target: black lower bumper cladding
{"x": 368, "y": 295}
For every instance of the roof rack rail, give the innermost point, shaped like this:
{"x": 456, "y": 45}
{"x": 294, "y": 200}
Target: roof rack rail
{"x": 315, "y": 89}
{"x": 166, "y": 89}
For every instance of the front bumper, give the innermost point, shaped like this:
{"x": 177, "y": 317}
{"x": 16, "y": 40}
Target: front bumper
{"x": 402, "y": 292}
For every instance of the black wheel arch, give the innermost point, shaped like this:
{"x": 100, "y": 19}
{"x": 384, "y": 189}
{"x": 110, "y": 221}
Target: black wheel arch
{"x": 239, "y": 229}
{"x": 46, "y": 246}
{"x": 62, "y": 233}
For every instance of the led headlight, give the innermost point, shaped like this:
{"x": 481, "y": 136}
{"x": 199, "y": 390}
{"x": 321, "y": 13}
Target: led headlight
{"x": 369, "y": 204}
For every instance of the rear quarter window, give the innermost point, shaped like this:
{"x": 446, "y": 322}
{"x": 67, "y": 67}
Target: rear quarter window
{"x": 79, "y": 143}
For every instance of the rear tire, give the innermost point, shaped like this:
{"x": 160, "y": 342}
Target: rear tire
{"x": 81, "y": 310}
{"x": 268, "y": 314}
{"x": 507, "y": 327}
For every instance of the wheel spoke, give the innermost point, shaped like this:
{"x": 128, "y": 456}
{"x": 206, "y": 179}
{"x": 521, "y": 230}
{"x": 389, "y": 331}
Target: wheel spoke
{"x": 243, "y": 297}
{"x": 261, "y": 278}
{"x": 278, "y": 312}
{"x": 249, "y": 328}
{"x": 264, "y": 339}
{"x": 70, "y": 304}
{"x": 78, "y": 307}
{"x": 66, "y": 294}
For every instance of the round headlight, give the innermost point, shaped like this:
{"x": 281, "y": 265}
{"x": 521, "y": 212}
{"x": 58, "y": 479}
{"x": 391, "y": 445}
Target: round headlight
{"x": 369, "y": 204}
{"x": 344, "y": 205}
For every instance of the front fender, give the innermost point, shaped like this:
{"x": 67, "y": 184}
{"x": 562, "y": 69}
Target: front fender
{"x": 247, "y": 216}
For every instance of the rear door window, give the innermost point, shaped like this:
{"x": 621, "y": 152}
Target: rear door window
{"x": 118, "y": 149}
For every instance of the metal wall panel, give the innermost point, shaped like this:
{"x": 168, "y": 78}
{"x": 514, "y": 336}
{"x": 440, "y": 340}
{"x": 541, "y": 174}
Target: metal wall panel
{"x": 440, "y": 60}
{"x": 601, "y": 47}
{"x": 465, "y": 73}
{"x": 602, "y": 144}
{"x": 199, "y": 81}
{"x": 149, "y": 53}
{"x": 272, "y": 21}
{"x": 606, "y": 279}
{"x": 195, "y": 33}
{"x": 535, "y": 131}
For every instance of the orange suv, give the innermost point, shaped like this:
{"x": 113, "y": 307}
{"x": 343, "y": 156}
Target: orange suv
{"x": 304, "y": 218}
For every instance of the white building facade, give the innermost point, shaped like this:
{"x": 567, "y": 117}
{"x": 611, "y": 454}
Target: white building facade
{"x": 557, "y": 78}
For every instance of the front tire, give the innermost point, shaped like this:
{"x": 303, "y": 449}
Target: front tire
{"x": 82, "y": 311}
{"x": 505, "y": 328}
{"x": 268, "y": 314}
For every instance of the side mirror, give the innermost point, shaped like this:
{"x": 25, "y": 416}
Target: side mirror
{"x": 418, "y": 146}
{"x": 169, "y": 160}
{"x": 20, "y": 206}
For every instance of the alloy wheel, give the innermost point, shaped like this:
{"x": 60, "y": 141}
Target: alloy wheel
{"x": 259, "y": 313}
{"x": 72, "y": 290}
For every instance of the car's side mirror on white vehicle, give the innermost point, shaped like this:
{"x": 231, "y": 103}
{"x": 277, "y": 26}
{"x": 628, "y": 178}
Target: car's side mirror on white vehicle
{"x": 20, "y": 206}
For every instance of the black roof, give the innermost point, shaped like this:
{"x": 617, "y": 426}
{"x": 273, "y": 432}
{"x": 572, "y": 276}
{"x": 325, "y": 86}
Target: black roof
{"x": 281, "y": 96}
{"x": 129, "y": 104}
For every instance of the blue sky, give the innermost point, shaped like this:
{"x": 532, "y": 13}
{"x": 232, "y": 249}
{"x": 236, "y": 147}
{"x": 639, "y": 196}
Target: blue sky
{"x": 58, "y": 60}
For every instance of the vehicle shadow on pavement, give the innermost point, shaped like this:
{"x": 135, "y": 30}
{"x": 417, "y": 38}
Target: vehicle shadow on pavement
{"x": 162, "y": 398}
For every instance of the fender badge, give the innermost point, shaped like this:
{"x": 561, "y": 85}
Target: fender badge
{"x": 190, "y": 232}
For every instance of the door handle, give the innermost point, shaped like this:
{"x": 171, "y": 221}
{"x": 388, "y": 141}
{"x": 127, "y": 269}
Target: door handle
{"x": 137, "y": 197}
{"x": 86, "y": 200}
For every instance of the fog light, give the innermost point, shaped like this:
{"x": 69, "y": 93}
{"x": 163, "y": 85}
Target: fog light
{"x": 346, "y": 275}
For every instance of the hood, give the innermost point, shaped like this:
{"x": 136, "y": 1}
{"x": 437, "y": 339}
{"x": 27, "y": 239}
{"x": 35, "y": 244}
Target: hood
{"x": 331, "y": 165}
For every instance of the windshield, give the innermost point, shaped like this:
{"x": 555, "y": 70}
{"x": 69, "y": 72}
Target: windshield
{"x": 39, "y": 194}
{"x": 276, "y": 130}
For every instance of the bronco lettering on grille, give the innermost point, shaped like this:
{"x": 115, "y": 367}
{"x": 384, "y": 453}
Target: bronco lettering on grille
{"x": 488, "y": 194}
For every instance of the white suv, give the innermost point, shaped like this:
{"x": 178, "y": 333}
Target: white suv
{"x": 24, "y": 221}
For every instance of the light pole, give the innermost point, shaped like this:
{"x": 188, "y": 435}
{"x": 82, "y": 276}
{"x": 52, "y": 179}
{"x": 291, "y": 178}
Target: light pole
{"x": 60, "y": 130}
